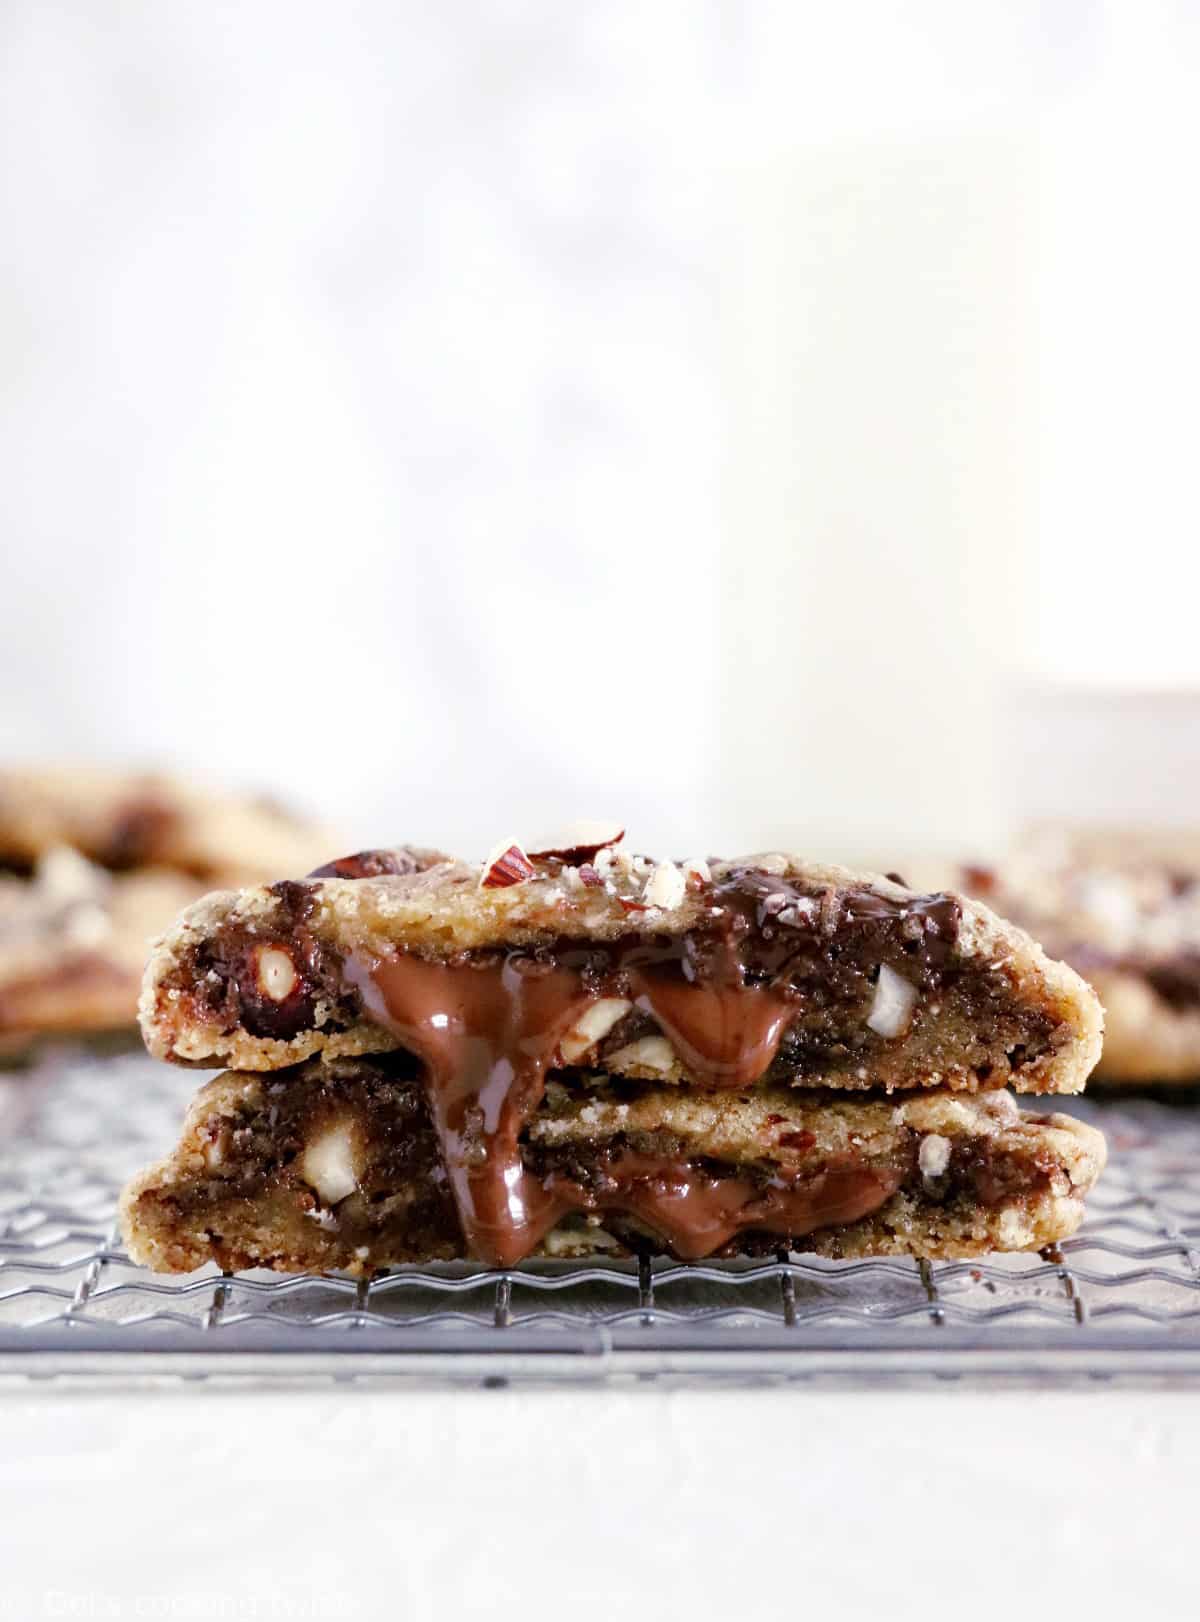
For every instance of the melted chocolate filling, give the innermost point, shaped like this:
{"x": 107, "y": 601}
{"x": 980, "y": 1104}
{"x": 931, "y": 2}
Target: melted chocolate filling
{"x": 699, "y": 1210}
{"x": 488, "y": 1026}
{"x": 652, "y": 1188}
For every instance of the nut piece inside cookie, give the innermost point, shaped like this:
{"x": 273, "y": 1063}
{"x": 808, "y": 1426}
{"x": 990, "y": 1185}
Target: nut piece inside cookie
{"x": 649, "y": 1053}
{"x": 275, "y": 973}
{"x": 934, "y": 1156}
{"x": 665, "y": 887}
{"x": 895, "y": 999}
{"x": 330, "y": 1163}
{"x": 592, "y": 1026}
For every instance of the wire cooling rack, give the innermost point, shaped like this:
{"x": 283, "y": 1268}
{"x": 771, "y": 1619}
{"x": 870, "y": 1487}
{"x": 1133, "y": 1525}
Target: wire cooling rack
{"x": 1121, "y": 1298}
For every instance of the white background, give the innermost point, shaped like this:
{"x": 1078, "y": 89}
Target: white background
{"x": 462, "y": 417}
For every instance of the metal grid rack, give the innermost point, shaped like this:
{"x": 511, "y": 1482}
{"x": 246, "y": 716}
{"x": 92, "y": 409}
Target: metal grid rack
{"x": 1121, "y": 1298}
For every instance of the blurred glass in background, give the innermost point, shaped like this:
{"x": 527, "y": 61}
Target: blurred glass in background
{"x": 768, "y": 423}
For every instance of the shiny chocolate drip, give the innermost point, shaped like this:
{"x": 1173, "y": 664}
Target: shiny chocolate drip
{"x": 488, "y": 1027}
{"x": 726, "y": 1035}
{"x": 486, "y": 1033}
{"x": 698, "y": 1211}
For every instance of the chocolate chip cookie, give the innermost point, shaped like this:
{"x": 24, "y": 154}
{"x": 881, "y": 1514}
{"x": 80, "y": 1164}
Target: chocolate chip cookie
{"x": 574, "y": 980}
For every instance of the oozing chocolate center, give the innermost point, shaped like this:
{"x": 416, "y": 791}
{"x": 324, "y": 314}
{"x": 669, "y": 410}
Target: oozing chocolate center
{"x": 698, "y": 1211}
{"x": 488, "y": 1028}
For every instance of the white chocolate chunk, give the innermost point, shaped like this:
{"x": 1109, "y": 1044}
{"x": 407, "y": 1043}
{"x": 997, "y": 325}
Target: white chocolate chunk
{"x": 329, "y": 1163}
{"x": 275, "y": 972}
{"x": 648, "y": 1053}
{"x": 592, "y": 1026}
{"x": 895, "y": 998}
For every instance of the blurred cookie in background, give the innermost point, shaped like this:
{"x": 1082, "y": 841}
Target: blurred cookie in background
{"x": 125, "y": 819}
{"x": 94, "y": 864}
{"x": 1121, "y": 905}
{"x": 73, "y": 942}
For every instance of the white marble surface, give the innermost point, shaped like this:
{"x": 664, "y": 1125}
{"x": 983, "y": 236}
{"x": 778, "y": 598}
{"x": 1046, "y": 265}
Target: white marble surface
{"x": 580, "y": 1504}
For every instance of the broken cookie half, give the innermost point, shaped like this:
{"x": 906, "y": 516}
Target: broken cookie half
{"x": 719, "y": 974}
{"x": 584, "y": 992}
{"x": 336, "y": 1164}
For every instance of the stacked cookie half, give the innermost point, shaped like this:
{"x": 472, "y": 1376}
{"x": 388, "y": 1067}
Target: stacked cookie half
{"x": 570, "y": 1049}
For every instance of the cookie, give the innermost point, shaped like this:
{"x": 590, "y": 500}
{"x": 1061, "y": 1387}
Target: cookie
{"x": 767, "y": 968}
{"x": 728, "y": 982}
{"x": 338, "y": 1164}
{"x": 1122, "y": 906}
{"x": 126, "y": 820}
{"x": 73, "y": 944}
